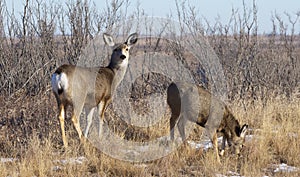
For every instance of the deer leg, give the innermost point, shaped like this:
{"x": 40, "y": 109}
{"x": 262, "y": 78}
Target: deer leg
{"x": 212, "y": 134}
{"x": 215, "y": 144}
{"x": 181, "y": 127}
{"x": 89, "y": 121}
{"x": 173, "y": 120}
{"x": 100, "y": 108}
{"x": 75, "y": 118}
{"x": 62, "y": 124}
{"x": 104, "y": 105}
{"x": 223, "y": 145}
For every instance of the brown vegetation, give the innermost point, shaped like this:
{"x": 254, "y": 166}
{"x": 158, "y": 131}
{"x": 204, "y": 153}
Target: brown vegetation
{"x": 262, "y": 74}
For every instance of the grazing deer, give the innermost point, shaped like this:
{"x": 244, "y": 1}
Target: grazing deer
{"x": 90, "y": 87}
{"x": 197, "y": 105}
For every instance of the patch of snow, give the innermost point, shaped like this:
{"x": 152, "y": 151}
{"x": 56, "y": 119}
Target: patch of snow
{"x": 231, "y": 174}
{"x": 293, "y": 135}
{"x": 76, "y": 160}
{"x": 5, "y": 160}
{"x": 56, "y": 168}
{"x": 220, "y": 175}
{"x": 203, "y": 144}
{"x": 234, "y": 174}
{"x": 285, "y": 168}
{"x": 206, "y": 144}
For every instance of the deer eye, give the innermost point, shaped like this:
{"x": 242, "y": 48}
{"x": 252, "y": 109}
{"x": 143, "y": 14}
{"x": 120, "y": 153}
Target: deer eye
{"x": 126, "y": 49}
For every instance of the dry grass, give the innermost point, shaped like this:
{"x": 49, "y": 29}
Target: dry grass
{"x": 275, "y": 140}
{"x": 276, "y": 137}
{"x": 30, "y": 131}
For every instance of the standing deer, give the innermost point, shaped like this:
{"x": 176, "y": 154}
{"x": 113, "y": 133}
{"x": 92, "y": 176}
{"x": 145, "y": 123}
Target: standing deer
{"x": 90, "y": 87}
{"x": 197, "y": 105}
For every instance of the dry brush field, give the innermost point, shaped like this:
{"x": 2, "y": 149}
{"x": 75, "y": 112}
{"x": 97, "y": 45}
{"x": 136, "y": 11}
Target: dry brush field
{"x": 261, "y": 71}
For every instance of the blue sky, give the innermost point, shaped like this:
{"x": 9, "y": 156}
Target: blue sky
{"x": 210, "y": 9}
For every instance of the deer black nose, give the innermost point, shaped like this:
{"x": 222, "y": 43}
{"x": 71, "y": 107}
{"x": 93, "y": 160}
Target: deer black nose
{"x": 122, "y": 57}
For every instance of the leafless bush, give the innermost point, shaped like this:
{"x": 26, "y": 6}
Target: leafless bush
{"x": 257, "y": 67}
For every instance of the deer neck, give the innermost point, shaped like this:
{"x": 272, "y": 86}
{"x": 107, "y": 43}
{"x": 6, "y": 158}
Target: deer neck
{"x": 119, "y": 70}
{"x": 234, "y": 125}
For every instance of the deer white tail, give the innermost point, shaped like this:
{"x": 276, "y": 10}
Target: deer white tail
{"x": 59, "y": 82}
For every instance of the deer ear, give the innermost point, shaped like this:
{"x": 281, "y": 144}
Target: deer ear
{"x": 243, "y": 130}
{"x": 108, "y": 39}
{"x": 132, "y": 39}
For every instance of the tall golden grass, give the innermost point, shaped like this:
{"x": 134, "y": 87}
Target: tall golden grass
{"x": 275, "y": 139}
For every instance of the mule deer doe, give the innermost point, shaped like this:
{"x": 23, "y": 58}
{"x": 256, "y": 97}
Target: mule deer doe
{"x": 197, "y": 105}
{"x": 90, "y": 87}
